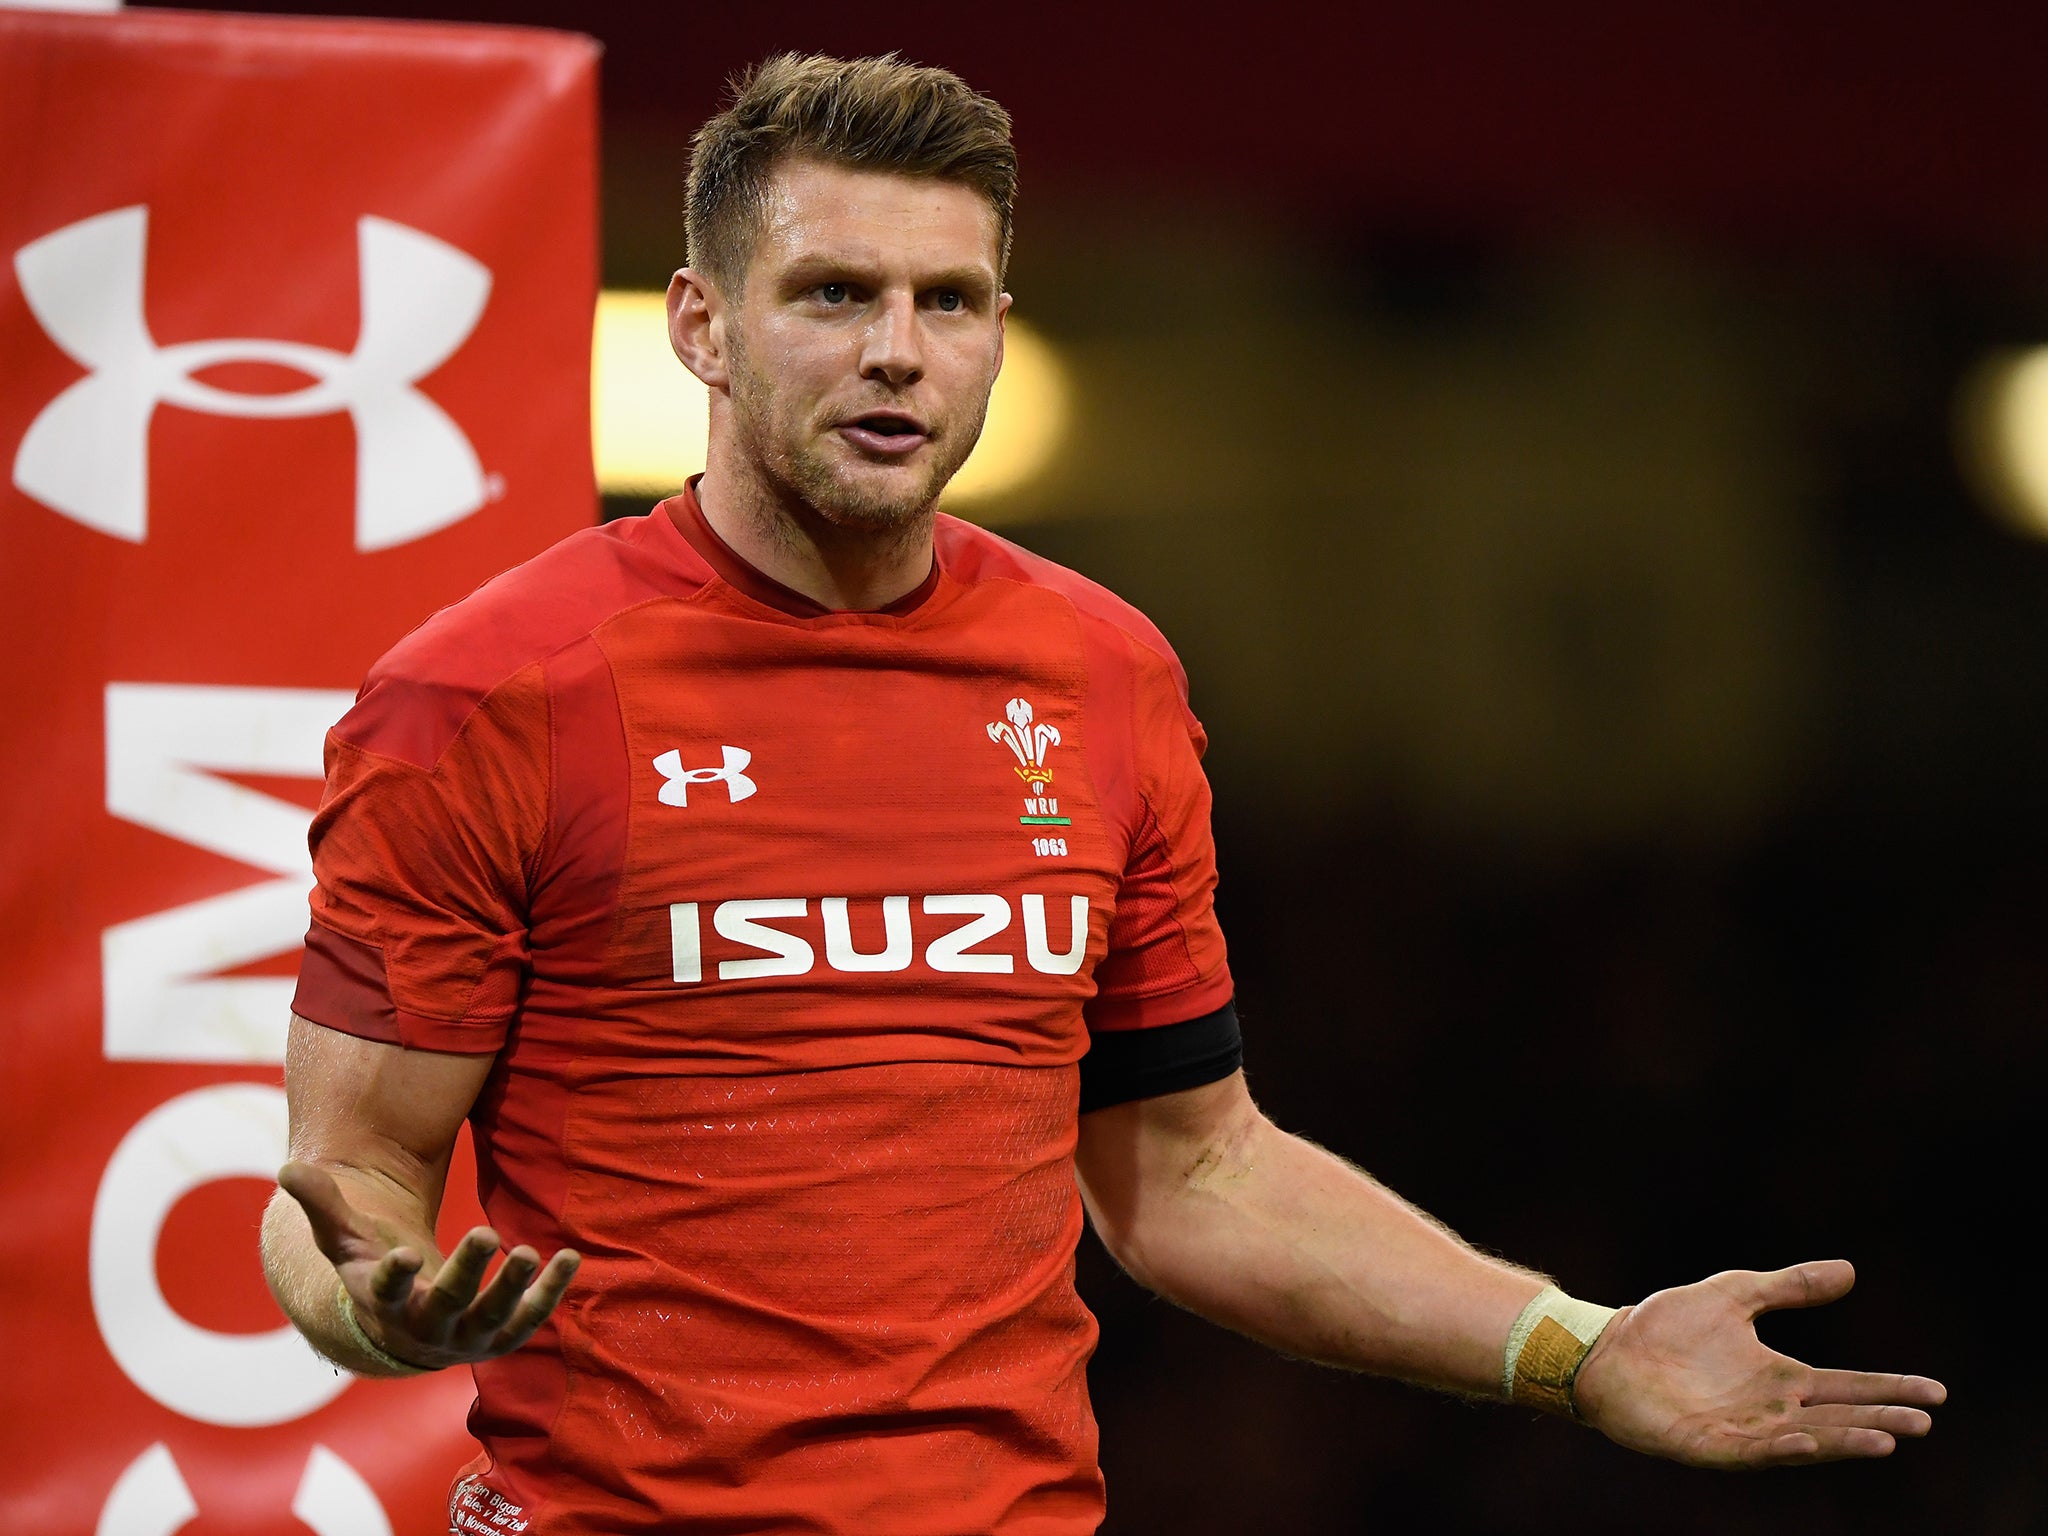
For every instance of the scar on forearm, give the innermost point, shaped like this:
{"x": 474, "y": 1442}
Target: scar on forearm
{"x": 1228, "y": 1158}
{"x": 1196, "y": 1171}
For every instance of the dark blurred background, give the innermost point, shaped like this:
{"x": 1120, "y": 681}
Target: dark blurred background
{"x": 1537, "y": 427}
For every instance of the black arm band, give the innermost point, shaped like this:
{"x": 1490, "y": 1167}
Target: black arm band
{"x": 1126, "y": 1064}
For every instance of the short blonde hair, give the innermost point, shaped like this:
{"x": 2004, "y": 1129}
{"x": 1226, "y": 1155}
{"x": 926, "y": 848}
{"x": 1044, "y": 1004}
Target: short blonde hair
{"x": 877, "y": 114}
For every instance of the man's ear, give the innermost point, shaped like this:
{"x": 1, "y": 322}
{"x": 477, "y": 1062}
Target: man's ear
{"x": 696, "y": 326}
{"x": 1003, "y": 303}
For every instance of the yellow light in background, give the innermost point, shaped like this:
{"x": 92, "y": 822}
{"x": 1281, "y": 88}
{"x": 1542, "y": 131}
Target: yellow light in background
{"x": 2004, "y": 437}
{"x": 648, "y": 411}
{"x": 1027, "y": 417}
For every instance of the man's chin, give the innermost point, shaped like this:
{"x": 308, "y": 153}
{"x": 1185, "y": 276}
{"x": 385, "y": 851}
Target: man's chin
{"x": 876, "y": 496}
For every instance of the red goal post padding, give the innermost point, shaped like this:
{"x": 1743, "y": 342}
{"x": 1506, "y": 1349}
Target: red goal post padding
{"x": 294, "y": 348}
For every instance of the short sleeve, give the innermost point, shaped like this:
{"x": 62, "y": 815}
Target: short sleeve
{"x": 431, "y": 821}
{"x": 1166, "y": 962}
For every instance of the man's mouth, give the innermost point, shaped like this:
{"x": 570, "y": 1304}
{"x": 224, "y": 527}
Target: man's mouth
{"x": 885, "y": 433}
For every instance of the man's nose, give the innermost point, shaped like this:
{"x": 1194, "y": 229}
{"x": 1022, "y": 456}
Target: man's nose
{"x": 894, "y": 353}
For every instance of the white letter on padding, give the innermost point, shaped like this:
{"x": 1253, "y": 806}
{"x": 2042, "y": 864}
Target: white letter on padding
{"x": 230, "y": 1130}
{"x": 148, "y": 1499}
{"x": 151, "y": 1498}
{"x": 334, "y": 1500}
{"x": 166, "y": 747}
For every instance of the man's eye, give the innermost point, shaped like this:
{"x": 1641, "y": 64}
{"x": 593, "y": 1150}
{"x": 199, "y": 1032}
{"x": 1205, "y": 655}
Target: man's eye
{"x": 949, "y": 300}
{"x": 832, "y": 293}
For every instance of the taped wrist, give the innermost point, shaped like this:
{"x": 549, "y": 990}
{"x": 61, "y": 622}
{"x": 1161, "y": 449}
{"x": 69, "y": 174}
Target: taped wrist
{"x": 368, "y": 1345}
{"x": 1546, "y": 1347}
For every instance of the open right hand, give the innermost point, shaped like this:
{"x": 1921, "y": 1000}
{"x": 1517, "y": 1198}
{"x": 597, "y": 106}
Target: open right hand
{"x": 1683, "y": 1374}
{"x": 418, "y": 1308}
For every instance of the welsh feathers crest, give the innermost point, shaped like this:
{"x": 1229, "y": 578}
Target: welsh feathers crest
{"x": 1028, "y": 740}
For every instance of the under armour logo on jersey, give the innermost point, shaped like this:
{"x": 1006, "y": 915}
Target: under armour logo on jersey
{"x": 86, "y": 454}
{"x": 677, "y": 790}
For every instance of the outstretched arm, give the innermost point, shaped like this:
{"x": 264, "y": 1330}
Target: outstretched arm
{"x": 372, "y": 1128}
{"x": 1205, "y": 1201}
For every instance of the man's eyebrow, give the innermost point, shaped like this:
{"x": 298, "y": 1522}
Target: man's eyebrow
{"x": 975, "y": 280}
{"x": 821, "y": 267}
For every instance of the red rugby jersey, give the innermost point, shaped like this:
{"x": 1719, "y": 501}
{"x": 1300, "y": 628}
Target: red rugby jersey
{"x": 788, "y": 928}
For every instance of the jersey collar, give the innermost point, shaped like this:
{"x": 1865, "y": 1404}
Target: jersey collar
{"x": 689, "y": 519}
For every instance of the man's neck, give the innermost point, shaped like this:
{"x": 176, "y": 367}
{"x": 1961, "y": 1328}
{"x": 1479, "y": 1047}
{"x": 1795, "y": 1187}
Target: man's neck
{"x": 846, "y": 569}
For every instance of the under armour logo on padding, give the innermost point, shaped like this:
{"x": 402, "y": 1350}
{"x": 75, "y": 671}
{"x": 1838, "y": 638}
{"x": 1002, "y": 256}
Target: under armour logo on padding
{"x": 86, "y": 455}
{"x": 677, "y": 790}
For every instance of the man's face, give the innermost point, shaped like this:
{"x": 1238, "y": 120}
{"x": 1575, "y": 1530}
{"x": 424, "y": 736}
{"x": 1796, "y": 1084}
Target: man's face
{"x": 864, "y": 340}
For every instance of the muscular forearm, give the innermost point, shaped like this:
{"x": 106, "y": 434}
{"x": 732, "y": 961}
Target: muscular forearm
{"x": 303, "y": 1279}
{"x": 1275, "y": 1237}
{"x": 1206, "y": 1202}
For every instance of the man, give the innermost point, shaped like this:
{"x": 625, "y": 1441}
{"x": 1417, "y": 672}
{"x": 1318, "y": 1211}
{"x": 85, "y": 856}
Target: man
{"x": 797, "y": 889}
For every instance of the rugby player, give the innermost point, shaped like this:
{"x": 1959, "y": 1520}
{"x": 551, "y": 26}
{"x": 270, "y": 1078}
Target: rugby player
{"x": 806, "y": 897}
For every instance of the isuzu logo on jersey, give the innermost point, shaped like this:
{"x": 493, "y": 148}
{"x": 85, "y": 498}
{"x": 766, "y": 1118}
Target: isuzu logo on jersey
{"x": 86, "y": 455}
{"x": 1028, "y": 740}
{"x": 948, "y": 946}
{"x": 677, "y": 790}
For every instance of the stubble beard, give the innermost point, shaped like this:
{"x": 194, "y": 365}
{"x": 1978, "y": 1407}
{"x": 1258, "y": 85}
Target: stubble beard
{"x": 801, "y": 473}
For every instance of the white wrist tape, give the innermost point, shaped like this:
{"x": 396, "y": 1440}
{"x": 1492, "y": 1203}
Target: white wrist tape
{"x": 1546, "y": 1347}
{"x": 368, "y": 1345}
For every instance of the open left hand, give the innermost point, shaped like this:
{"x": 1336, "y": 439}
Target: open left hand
{"x": 422, "y": 1310}
{"x": 1683, "y": 1375}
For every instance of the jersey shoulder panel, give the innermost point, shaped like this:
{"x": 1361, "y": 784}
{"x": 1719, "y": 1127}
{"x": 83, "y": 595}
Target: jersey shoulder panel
{"x": 972, "y": 554}
{"x": 418, "y": 694}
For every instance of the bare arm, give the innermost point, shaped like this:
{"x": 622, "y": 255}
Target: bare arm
{"x": 372, "y": 1128}
{"x": 1208, "y": 1203}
